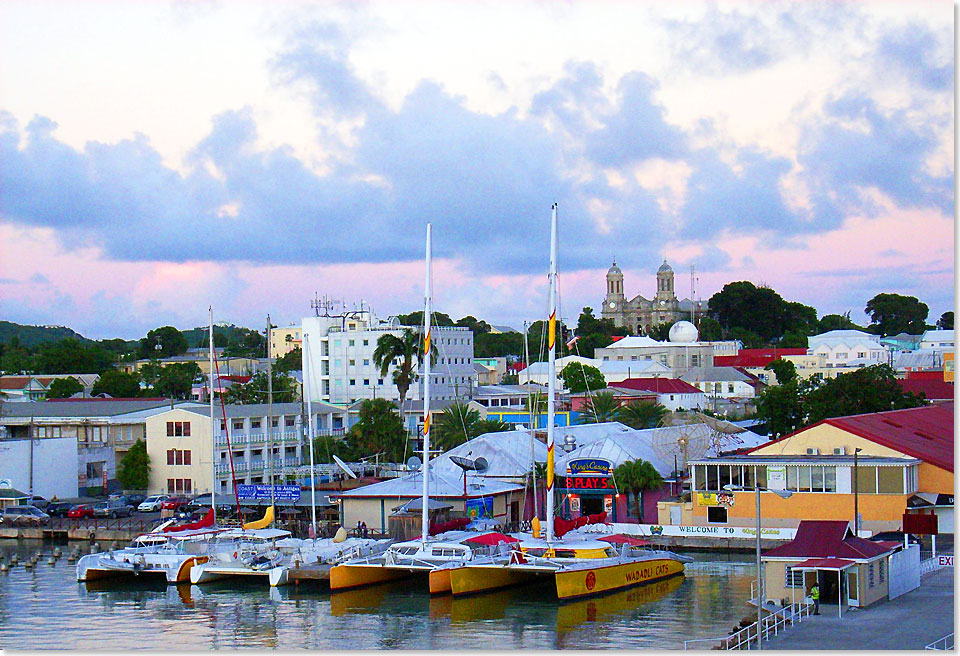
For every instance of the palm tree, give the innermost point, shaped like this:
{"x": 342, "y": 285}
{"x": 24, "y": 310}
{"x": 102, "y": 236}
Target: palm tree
{"x": 637, "y": 476}
{"x": 458, "y": 423}
{"x": 599, "y": 408}
{"x": 641, "y": 414}
{"x": 406, "y": 347}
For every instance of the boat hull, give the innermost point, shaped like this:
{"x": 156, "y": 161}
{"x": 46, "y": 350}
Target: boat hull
{"x": 587, "y": 581}
{"x": 345, "y": 577}
{"x": 173, "y": 568}
{"x": 469, "y": 580}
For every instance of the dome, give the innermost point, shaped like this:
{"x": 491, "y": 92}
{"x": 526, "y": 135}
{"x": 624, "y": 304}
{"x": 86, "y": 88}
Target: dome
{"x": 664, "y": 268}
{"x": 683, "y": 332}
{"x": 614, "y": 270}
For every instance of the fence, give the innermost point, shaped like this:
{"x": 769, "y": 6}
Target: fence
{"x": 770, "y": 624}
{"x": 943, "y": 644}
{"x": 930, "y": 565}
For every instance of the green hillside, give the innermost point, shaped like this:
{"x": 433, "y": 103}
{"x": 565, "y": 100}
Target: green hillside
{"x": 32, "y": 336}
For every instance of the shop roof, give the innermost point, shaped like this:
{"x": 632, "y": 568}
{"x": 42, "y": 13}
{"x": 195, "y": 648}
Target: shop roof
{"x": 827, "y": 539}
{"x": 824, "y": 563}
{"x": 441, "y": 486}
{"x": 934, "y": 390}
{"x": 804, "y": 459}
{"x": 86, "y": 408}
{"x": 509, "y": 454}
{"x": 658, "y": 385}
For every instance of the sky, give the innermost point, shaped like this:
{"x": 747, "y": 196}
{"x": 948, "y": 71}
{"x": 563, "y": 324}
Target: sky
{"x": 157, "y": 158}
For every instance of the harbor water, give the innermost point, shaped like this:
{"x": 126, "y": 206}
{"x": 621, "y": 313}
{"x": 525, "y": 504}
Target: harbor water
{"x": 44, "y": 607}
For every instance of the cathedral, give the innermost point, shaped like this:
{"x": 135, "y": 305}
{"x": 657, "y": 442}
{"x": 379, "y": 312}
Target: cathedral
{"x": 638, "y": 315}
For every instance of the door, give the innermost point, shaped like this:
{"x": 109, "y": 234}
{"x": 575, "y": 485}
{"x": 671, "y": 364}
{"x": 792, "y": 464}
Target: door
{"x": 676, "y": 515}
{"x": 591, "y": 505}
{"x": 853, "y": 586}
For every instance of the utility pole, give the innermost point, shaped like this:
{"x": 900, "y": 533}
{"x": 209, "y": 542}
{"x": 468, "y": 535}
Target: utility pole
{"x": 270, "y": 413}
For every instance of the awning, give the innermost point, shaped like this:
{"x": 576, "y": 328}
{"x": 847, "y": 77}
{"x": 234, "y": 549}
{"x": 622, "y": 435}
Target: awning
{"x": 825, "y": 563}
{"x": 928, "y": 499}
{"x": 620, "y": 538}
{"x": 491, "y": 538}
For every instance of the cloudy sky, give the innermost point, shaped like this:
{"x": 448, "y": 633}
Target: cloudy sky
{"x": 159, "y": 157}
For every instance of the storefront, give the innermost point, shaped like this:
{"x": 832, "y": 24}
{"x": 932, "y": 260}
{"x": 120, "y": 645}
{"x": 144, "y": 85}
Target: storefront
{"x": 588, "y": 488}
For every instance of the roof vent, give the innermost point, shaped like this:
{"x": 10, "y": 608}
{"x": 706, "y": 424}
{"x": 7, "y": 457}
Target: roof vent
{"x": 890, "y": 422}
{"x": 926, "y": 436}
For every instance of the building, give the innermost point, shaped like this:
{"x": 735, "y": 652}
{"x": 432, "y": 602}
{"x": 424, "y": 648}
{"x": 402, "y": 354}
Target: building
{"x": 680, "y": 354}
{"x": 71, "y": 447}
{"x": 754, "y": 362}
{"x": 902, "y": 342}
{"x": 180, "y": 444}
{"x": 613, "y": 371}
{"x": 846, "y": 349}
{"x": 284, "y": 340}
{"x": 227, "y": 366}
{"x": 937, "y": 340}
{"x": 343, "y": 369}
{"x": 639, "y": 315}
{"x": 623, "y": 396}
{"x": 672, "y": 393}
{"x": 902, "y": 453}
{"x": 728, "y": 383}
{"x": 931, "y": 389}
{"x": 489, "y": 371}
{"x": 24, "y": 388}
{"x": 512, "y": 396}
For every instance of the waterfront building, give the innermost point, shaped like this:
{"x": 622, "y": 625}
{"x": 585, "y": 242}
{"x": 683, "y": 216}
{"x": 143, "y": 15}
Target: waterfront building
{"x": 638, "y": 315}
{"x": 343, "y": 369}
{"x": 902, "y": 453}
{"x": 71, "y": 447}
{"x": 180, "y": 444}
{"x": 671, "y": 393}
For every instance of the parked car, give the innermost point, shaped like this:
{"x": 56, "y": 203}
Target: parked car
{"x": 135, "y": 499}
{"x": 174, "y": 503}
{"x": 24, "y": 516}
{"x": 893, "y": 536}
{"x": 38, "y": 501}
{"x": 152, "y": 503}
{"x": 80, "y": 511}
{"x": 58, "y": 508}
{"x": 112, "y": 508}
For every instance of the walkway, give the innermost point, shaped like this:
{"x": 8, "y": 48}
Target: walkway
{"x": 909, "y": 622}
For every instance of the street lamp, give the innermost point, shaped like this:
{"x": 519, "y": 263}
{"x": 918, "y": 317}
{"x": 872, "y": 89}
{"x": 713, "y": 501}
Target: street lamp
{"x": 783, "y": 494}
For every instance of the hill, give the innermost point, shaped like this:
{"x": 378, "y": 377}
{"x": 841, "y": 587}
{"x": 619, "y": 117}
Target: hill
{"x": 32, "y": 336}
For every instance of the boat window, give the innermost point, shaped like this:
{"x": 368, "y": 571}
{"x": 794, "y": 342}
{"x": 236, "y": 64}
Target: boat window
{"x": 565, "y": 553}
{"x": 534, "y": 552}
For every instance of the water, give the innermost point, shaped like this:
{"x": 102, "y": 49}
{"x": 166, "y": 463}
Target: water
{"x": 46, "y": 608}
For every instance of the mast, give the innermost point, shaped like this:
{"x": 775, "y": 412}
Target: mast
{"x": 307, "y": 380}
{"x": 551, "y": 373}
{"x": 270, "y": 414}
{"x": 213, "y": 433}
{"x": 425, "y": 515}
{"x": 531, "y": 401}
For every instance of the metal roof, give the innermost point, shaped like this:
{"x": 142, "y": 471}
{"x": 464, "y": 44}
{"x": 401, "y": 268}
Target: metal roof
{"x": 87, "y": 408}
{"x": 715, "y": 374}
{"x": 508, "y": 454}
{"x": 440, "y": 486}
{"x": 804, "y": 459}
{"x": 261, "y": 409}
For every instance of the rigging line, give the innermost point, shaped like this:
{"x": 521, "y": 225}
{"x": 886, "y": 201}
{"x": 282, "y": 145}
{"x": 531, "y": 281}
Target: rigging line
{"x": 226, "y": 431}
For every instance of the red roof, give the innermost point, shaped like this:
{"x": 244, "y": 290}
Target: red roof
{"x": 773, "y": 353}
{"x": 925, "y": 375}
{"x": 827, "y": 539}
{"x": 237, "y": 379}
{"x": 755, "y": 357}
{"x": 934, "y": 390}
{"x": 824, "y": 563}
{"x": 14, "y": 382}
{"x": 658, "y": 385}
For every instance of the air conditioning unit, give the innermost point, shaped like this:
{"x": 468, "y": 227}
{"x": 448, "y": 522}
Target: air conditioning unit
{"x": 840, "y": 451}
{"x": 813, "y": 452}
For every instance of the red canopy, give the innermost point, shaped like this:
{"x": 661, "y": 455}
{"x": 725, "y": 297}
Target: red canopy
{"x": 620, "y": 538}
{"x": 491, "y": 539}
{"x": 442, "y": 527}
{"x": 562, "y": 526}
{"x": 204, "y": 522}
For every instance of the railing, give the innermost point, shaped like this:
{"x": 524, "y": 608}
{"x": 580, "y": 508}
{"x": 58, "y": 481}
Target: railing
{"x": 772, "y": 623}
{"x": 929, "y": 565}
{"x": 943, "y": 644}
{"x": 100, "y": 523}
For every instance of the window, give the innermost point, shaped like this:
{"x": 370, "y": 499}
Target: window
{"x": 881, "y": 573}
{"x": 170, "y": 456}
{"x": 793, "y": 578}
{"x": 254, "y": 423}
{"x": 889, "y": 480}
{"x": 841, "y": 356}
{"x": 274, "y": 422}
{"x": 350, "y": 343}
{"x": 366, "y": 381}
{"x": 353, "y": 382}
{"x": 870, "y": 576}
{"x": 865, "y": 479}
{"x": 179, "y": 457}
{"x": 170, "y": 485}
{"x": 353, "y": 363}
{"x": 223, "y": 425}
{"x": 186, "y": 457}
{"x": 730, "y": 388}
{"x": 366, "y": 362}
{"x": 289, "y": 421}
{"x": 379, "y": 381}
{"x": 366, "y": 342}
{"x": 178, "y": 429}
{"x": 716, "y": 515}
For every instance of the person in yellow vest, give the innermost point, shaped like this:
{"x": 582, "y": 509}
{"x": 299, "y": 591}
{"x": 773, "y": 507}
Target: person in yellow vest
{"x": 815, "y": 595}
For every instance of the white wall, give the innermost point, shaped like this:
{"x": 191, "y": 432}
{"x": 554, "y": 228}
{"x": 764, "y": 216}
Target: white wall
{"x": 54, "y": 466}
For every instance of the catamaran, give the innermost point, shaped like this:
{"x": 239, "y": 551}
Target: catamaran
{"x": 579, "y": 564}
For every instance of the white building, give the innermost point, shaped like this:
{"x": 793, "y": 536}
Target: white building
{"x": 937, "y": 340}
{"x": 613, "y": 371}
{"x": 847, "y": 349}
{"x": 342, "y": 367}
{"x": 722, "y": 382}
{"x": 681, "y": 353}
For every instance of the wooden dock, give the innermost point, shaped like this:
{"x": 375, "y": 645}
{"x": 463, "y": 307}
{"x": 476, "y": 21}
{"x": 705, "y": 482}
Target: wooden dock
{"x": 309, "y": 572}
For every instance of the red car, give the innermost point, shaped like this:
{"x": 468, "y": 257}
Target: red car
{"x": 174, "y": 503}
{"x": 81, "y": 511}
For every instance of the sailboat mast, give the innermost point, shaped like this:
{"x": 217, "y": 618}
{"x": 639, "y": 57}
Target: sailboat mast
{"x": 270, "y": 413}
{"x": 213, "y": 433}
{"x": 551, "y": 374}
{"x": 425, "y": 515}
{"x": 531, "y": 401}
{"x": 307, "y": 380}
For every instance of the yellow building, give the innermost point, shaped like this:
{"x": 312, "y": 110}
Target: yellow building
{"x": 948, "y": 367}
{"x": 284, "y": 340}
{"x": 901, "y": 453}
{"x": 228, "y": 366}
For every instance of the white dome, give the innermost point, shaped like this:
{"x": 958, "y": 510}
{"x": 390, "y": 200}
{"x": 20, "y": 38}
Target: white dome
{"x": 683, "y": 332}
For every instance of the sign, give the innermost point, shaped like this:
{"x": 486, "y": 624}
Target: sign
{"x": 945, "y": 561}
{"x": 477, "y": 508}
{"x": 715, "y": 499}
{"x": 574, "y": 503}
{"x": 917, "y": 524}
{"x": 662, "y": 530}
{"x": 589, "y": 483}
{"x": 777, "y": 477}
{"x": 595, "y": 466}
{"x": 608, "y": 504}
{"x": 262, "y": 492}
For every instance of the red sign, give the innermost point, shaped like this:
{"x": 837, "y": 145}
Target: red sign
{"x": 591, "y": 580}
{"x": 945, "y": 561}
{"x": 589, "y": 483}
{"x": 920, "y": 524}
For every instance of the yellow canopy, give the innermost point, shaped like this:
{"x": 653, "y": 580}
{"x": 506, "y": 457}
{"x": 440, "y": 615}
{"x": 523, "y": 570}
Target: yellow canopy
{"x": 262, "y": 523}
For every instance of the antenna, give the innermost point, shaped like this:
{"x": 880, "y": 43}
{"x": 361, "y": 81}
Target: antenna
{"x": 342, "y": 465}
{"x": 693, "y": 294}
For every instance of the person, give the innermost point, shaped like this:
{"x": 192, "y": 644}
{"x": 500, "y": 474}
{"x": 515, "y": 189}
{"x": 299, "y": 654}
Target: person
{"x": 359, "y": 529}
{"x": 363, "y": 530}
{"x": 815, "y": 595}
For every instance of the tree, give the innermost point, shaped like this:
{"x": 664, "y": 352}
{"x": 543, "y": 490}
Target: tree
{"x": 587, "y": 325}
{"x": 246, "y": 343}
{"x": 64, "y": 388}
{"x": 478, "y": 326}
{"x": 485, "y": 426}
{"x": 176, "y": 380}
{"x": 416, "y": 319}
{"x": 710, "y": 330}
{"x": 164, "y": 342}
{"x": 510, "y": 379}
{"x": 759, "y": 310}
{"x": 637, "y": 476}
{"x": 784, "y": 370}
{"x": 793, "y": 340}
{"x": 799, "y": 318}
{"x": 325, "y": 446}
{"x": 379, "y": 429}
{"x": 407, "y": 348}
{"x": 292, "y": 361}
{"x": 599, "y": 408}
{"x": 117, "y": 384}
{"x": 458, "y": 423}
{"x": 256, "y": 390}
{"x": 641, "y": 414}
{"x": 578, "y": 377}
{"x": 891, "y": 314}
{"x": 660, "y": 331}
{"x": 497, "y": 345}
{"x": 871, "y": 389}
{"x": 837, "y": 322}
{"x": 134, "y": 469}
{"x": 150, "y": 372}
{"x": 945, "y": 322}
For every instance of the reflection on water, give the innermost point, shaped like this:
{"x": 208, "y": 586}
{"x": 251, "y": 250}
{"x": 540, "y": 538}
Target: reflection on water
{"x": 45, "y": 607}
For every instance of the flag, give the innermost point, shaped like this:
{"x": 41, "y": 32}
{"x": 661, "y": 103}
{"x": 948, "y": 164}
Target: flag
{"x": 572, "y": 342}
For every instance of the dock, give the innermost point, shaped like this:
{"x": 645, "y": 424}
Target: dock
{"x": 309, "y": 572}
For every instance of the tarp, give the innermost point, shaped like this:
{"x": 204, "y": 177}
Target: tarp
{"x": 491, "y": 539}
{"x": 204, "y": 522}
{"x": 620, "y": 538}
{"x": 261, "y": 523}
{"x": 563, "y": 526}
{"x": 442, "y": 527}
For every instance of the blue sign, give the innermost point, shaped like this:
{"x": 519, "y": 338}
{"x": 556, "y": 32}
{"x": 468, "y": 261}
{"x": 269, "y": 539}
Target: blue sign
{"x": 262, "y": 492}
{"x": 589, "y": 466}
{"x": 478, "y": 508}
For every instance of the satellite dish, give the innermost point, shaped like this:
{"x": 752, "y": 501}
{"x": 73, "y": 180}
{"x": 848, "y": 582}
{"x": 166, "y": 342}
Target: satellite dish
{"x": 466, "y": 464}
{"x": 480, "y": 464}
{"x": 343, "y": 466}
{"x": 413, "y": 463}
